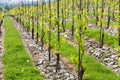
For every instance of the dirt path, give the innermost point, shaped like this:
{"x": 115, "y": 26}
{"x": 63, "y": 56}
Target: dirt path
{"x": 1, "y": 52}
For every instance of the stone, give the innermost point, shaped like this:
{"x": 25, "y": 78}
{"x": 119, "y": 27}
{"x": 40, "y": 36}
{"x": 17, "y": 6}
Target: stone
{"x": 97, "y": 54}
{"x": 111, "y": 63}
{"x": 114, "y": 66}
{"x": 67, "y": 74}
{"x": 89, "y": 25}
{"x": 116, "y": 70}
{"x": 105, "y": 48}
{"x": 54, "y": 71}
{"x": 43, "y": 70}
{"x": 91, "y": 51}
{"x": 68, "y": 78}
{"x": 57, "y": 76}
{"x": 52, "y": 63}
{"x": 62, "y": 70}
{"x": 40, "y": 62}
{"x": 42, "y": 73}
{"x": 110, "y": 59}
{"x": 46, "y": 75}
{"x": 62, "y": 66}
{"x": 106, "y": 59}
{"x": 1, "y": 77}
{"x": 113, "y": 56}
{"x": 72, "y": 77}
{"x": 45, "y": 65}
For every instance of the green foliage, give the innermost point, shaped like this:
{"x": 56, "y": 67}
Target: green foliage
{"x": 73, "y": 60}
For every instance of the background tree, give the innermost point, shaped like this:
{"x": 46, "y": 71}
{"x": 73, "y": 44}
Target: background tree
{"x": 7, "y": 7}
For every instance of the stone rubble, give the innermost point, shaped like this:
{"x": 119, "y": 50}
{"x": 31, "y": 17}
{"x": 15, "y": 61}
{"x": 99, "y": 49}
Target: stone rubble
{"x": 111, "y": 30}
{"x": 1, "y": 52}
{"x": 105, "y": 55}
{"x": 48, "y": 70}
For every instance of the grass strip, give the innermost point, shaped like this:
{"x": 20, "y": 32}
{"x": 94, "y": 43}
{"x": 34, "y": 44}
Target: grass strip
{"x": 17, "y": 62}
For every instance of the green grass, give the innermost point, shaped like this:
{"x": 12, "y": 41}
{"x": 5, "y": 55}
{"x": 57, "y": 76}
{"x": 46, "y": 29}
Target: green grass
{"x": 17, "y": 62}
{"x": 108, "y": 39}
